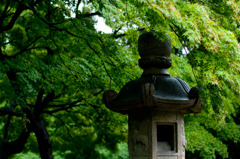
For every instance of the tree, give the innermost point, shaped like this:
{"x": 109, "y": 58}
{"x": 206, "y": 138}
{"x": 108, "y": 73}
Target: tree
{"x": 55, "y": 66}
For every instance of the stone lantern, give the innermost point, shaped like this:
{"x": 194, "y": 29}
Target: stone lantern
{"x": 155, "y": 103}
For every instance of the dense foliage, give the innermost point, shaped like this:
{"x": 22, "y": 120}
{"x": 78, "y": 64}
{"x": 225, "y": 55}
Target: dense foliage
{"x": 55, "y": 65}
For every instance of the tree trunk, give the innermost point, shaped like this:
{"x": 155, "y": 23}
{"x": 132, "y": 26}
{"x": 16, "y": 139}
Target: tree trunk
{"x": 44, "y": 143}
{"x": 9, "y": 148}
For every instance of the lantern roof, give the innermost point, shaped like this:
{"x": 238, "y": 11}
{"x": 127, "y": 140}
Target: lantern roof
{"x": 156, "y": 89}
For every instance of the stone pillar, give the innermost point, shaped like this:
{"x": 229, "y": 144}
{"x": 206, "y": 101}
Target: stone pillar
{"x": 155, "y": 103}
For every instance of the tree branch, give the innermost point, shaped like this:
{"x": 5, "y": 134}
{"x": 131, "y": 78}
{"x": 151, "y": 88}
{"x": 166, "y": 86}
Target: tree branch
{"x": 91, "y": 14}
{"x": 59, "y": 109}
{"x": 48, "y": 98}
{"x": 116, "y": 31}
{"x": 76, "y": 77}
{"x": 10, "y": 148}
{"x": 116, "y": 36}
{"x": 39, "y": 97}
{"x": 98, "y": 92}
{"x": 77, "y": 6}
{"x": 62, "y": 123}
{"x": 184, "y": 46}
{"x": 35, "y": 12}
{"x": 4, "y": 11}
{"x": 15, "y": 16}
{"x": 8, "y": 15}
{"x": 119, "y": 36}
{"x": 34, "y": 3}
{"x": 71, "y": 105}
{"x": 60, "y": 105}
{"x": 23, "y": 50}
{"x": 19, "y": 10}
{"x": 6, "y": 127}
{"x": 40, "y": 105}
{"x": 9, "y": 111}
{"x": 7, "y": 43}
{"x": 104, "y": 65}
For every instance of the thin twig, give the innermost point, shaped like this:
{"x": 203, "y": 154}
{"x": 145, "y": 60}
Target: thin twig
{"x": 68, "y": 130}
{"x": 105, "y": 68}
{"x": 59, "y": 109}
{"x": 51, "y": 24}
{"x": 7, "y": 43}
{"x": 71, "y": 105}
{"x": 23, "y": 50}
{"x": 65, "y": 63}
{"x": 184, "y": 47}
{"x": 5, "y": 111}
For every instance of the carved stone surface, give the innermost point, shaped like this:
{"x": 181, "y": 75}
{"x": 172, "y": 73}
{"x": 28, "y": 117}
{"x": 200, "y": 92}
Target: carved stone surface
{"x": 158, "y": 61}
{"x": 139, "y": 130}
{"x": 143, "y": 135}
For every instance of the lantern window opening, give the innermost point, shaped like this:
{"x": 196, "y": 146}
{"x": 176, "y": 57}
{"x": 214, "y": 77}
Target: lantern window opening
{"x": 167, "y": 137}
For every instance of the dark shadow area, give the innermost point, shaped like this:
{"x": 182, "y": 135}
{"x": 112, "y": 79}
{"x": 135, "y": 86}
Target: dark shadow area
{"x": 165, "y": 138}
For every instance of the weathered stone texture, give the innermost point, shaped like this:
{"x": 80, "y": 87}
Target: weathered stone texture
{"x": 143, "y": 135}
